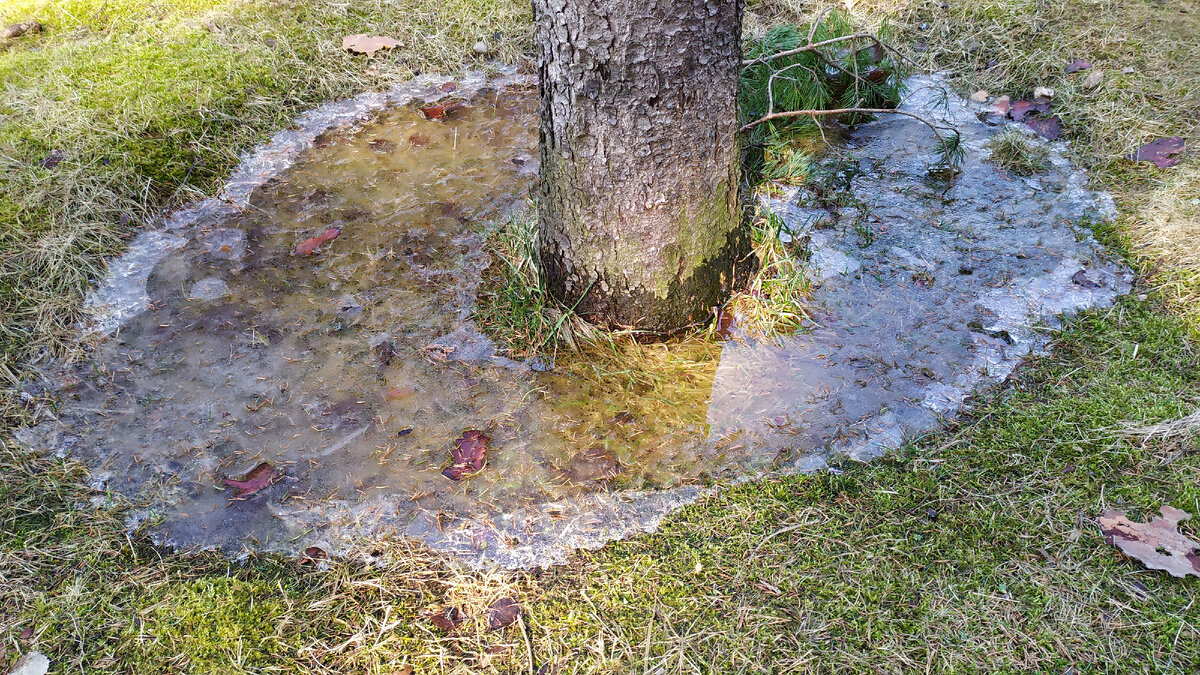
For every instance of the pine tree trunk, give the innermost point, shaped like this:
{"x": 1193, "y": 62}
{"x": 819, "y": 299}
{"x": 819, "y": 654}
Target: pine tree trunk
{"x": 639, "y": 215}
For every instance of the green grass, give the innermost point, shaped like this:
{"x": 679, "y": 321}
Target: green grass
{"x": 973, "y": 550}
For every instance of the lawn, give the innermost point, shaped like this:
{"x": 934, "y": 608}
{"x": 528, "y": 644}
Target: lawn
{"x": 975, "y": 549}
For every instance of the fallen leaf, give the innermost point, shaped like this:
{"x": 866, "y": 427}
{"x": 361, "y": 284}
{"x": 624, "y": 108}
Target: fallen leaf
{"x": 418, "y": 139}
{"x": 449, "y": 87}
{"x": 310, "y": 245}
{"x": 1002, "y": 105}
{"x": 1158, "y": 544}
{"x": 1081, "y": 278}
{"x": 1164, "y": 152}
{"x": 877, "y": 75}
{"x": 313, "y": 553}
{"x": 18, "y": 29}
{"x": 1049, "y": 128}
{"x": 1093, "y": 79}
{"x": 27, "y": 633}
{"x": 259, "y": 477}
{"x": 1025, "y": 107}
{"x": 440, "y": 110}
{"x": 591, "y": 465}
{"x": 980, "y": 96}
{"x": 469, "y": 453}
{"x": 52, "y": 160}
{"x": 503, "y": 613}
{"x": 1077, "y": 65}
{"x": 381, "y": 145}
{"x": 368, "y": 44}
{"x": 448, "y": 619}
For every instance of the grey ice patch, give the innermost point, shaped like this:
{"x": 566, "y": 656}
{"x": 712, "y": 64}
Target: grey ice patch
{"x": 956, "y": 287}
{"x": 122, "y": 294}
{"x": 33, "y": 663}
{"x": 209, "y": 288}
{"x": 225, "y": 243}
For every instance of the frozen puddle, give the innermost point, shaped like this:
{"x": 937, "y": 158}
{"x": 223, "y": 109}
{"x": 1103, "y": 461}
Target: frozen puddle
{"x": 354, "y": 370}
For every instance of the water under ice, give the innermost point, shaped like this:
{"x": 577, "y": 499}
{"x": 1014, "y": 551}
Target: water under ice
{"x": 354, "y": 370}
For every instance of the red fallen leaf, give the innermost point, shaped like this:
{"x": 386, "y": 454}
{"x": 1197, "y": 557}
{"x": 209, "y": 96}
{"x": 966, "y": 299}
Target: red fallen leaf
{"x": 259, "y": 477}
{"x": 1002, "y": 105}
{"x": 877, "y": 75}
{"x": 1026, "y": 107}
{"x": 314, "y": 553}
{"x": 469, "y": 453}
{"x": 310, "y": 245}
{"x": 1164, "y": 152}
{"x": 26, "y": 634}
{"x": 1158, "y": 543}
{"x": 440, "y": 110}
{"x": 1049, "y": 128}
{"x": 502, "y": 613}
{"x": 448, "y": 619}
{"x": 1077, "y": 65}
{"x": 449, "y": 87}
{"x": 418, "y": 139}
{"x": 1081, "y": 278}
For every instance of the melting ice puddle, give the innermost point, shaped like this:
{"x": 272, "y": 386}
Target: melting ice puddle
{"x": 353, "y": 370}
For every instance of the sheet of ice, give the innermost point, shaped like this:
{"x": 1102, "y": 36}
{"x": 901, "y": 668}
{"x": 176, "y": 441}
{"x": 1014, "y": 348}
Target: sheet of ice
{"x": 354, "y": 370}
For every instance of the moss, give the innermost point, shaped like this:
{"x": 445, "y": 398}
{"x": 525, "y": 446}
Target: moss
{"x": 213, "y": 625}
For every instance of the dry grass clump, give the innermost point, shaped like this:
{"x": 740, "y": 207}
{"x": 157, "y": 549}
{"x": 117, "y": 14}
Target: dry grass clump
{"x": 1014, "y": 152}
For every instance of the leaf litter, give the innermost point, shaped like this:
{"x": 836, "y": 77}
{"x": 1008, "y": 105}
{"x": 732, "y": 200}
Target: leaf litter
{"x": 469, "y": 454}
{"x": 1158, "y": 544}
{"x": 363, "y": 43}
{"x": 1164, "y": 152}
{"x": 261, "y": 476}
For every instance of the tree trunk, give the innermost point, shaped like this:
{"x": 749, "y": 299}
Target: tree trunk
{"x": 640, "y": 221}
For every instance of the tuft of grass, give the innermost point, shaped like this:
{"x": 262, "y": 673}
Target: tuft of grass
{"x": 1017, "y": 154}
{"x": 774, "y": 303}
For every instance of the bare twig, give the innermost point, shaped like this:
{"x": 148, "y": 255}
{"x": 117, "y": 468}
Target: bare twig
{"x": 840, "y": 111}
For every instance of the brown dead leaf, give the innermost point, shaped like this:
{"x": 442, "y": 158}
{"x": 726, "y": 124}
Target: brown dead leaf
{"x": 502, "y": 613}
{"x": 1077, "y": 65}
{"x": 1049, "y": 128}
{"x": 469, "y": 453}
{"x": 18, "y": 29}
{"x": 448, "y": 619}
{"x": 1164, "y": 152}
{"x": 368, "y": 44}
{"x": 26, "y": 634}
{"x": 258, "y": 478}
{"x": 440, "y": 110}
{"x": 1158, "y": 544}
{"x": 309, "y": 246}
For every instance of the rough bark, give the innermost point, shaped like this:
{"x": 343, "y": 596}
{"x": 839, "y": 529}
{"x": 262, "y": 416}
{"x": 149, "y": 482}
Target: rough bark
{"x": 640, "y": 221}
